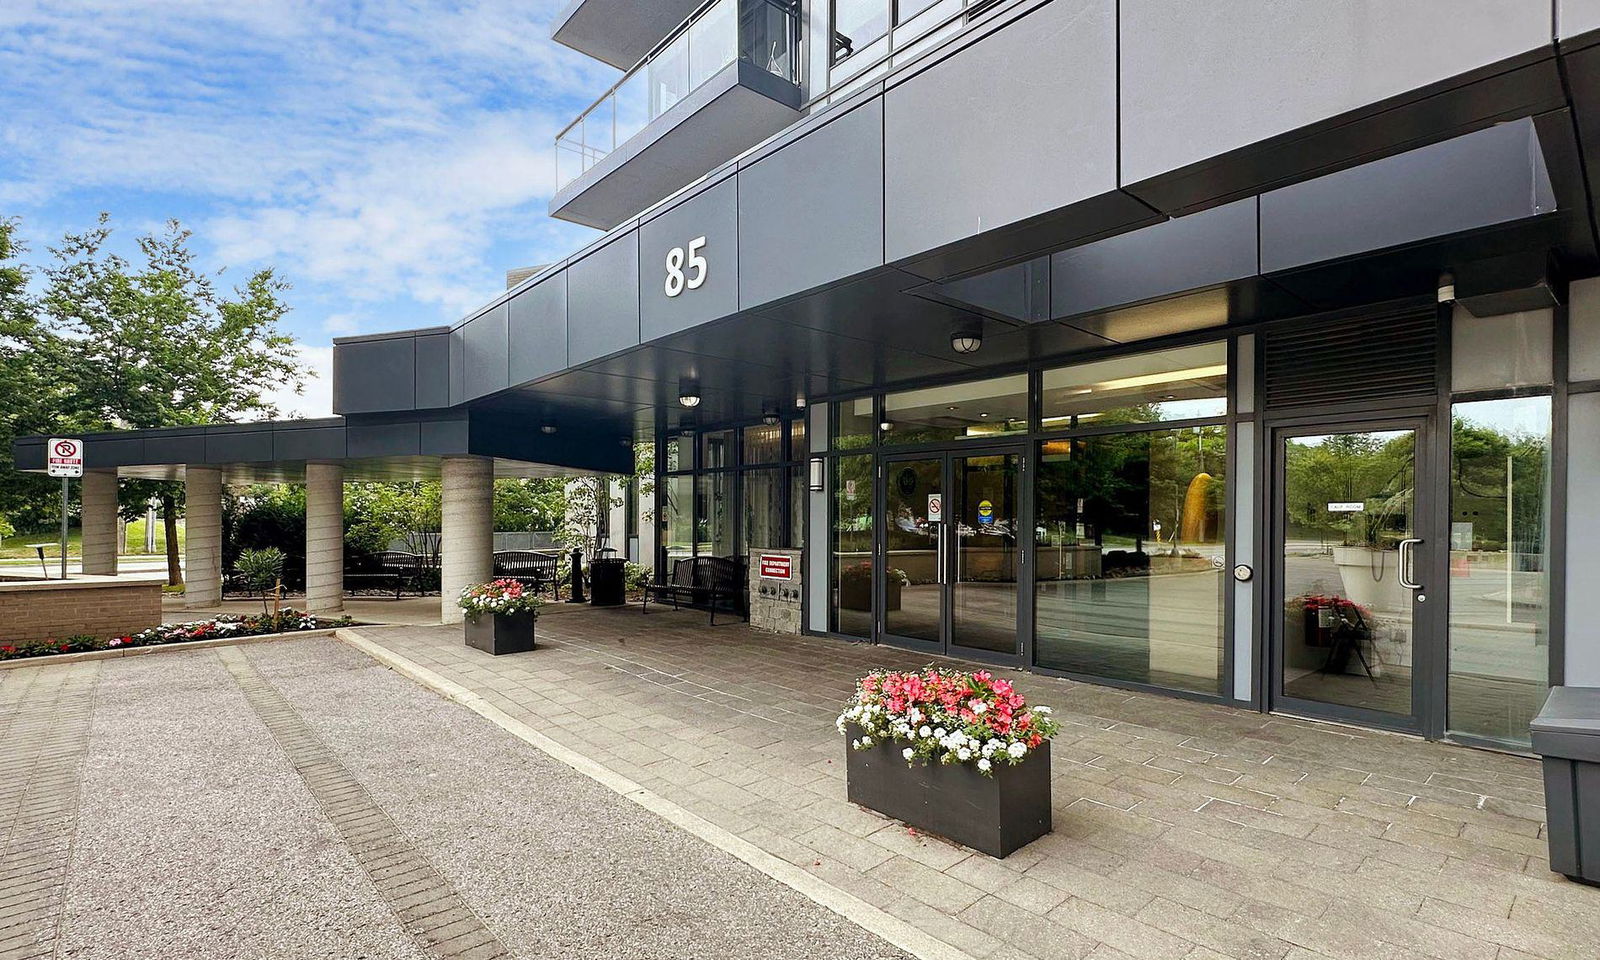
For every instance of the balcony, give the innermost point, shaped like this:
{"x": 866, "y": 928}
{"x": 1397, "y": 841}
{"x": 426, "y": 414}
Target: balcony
{"x": 726, "y": 79}
{"x": 618, "y": 32}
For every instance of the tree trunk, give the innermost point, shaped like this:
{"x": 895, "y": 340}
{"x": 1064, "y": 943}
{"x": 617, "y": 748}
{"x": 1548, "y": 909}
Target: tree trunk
{"x": 169, "y": 518}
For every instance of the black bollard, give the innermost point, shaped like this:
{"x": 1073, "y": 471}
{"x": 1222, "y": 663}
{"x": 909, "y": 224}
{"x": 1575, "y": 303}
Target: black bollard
{"x": 576, "y": 593}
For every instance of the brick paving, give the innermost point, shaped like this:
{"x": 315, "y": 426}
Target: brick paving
{"x": 44, "y": 729}
{"x": 1182, "y": 830}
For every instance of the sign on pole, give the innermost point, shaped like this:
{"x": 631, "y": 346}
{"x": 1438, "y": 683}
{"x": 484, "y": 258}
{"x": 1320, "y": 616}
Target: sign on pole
{"x": 64, "y": 457}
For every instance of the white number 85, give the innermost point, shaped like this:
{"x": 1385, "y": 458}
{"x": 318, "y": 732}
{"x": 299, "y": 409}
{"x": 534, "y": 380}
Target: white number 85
{"x": 676, "y": 281}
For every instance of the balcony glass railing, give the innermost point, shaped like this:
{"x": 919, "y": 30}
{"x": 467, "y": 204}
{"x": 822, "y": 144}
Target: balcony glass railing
{"x": 763, "y": 32}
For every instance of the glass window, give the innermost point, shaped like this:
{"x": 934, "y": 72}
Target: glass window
{"x": 852, "y": 545}
{"x": 1499, "y": 566}
{"x": 1494, "y": 353}
{"x": 797, "y": 506}
{"x": 1129, "y": 551}
{"x": 980, "y": 410}
{"x": 669, "y": 76}
{"x": 797, "y": 440}
{"x": 677, "y": 516}
{"x": 906, "y": 10}
{"x": 856, "y": 424}
{"x": 857, "y": 23}
{"x": 763, "y": 509}
{"x": 770, "y": 37}
{"x": 680, "y": 452}
{"x": 1184, "y": 383}
{"x": 763, "y": 444}
{"x": 716, "y": 449}
{"x": 713, "y": 42}
{"x": 713, "y": 522}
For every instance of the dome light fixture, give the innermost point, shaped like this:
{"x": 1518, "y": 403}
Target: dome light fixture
{"x": 689, "y": 393}
{"x": 886, "y": 426}
{"x": 967, "y": 338}
{"x": 770, "y": 417}
{"x": 547, "y": 429}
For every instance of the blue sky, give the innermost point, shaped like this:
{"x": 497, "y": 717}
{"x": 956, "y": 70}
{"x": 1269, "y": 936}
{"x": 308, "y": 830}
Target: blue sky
{"x": 391, "y": 159}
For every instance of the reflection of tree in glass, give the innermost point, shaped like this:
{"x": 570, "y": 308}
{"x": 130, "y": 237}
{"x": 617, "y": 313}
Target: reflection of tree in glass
{"x": 1375, "y": 469}
{"x": 1481, "y": 457}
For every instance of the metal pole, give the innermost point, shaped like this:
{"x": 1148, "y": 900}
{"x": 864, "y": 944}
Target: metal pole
{"x": 64, "y": 496}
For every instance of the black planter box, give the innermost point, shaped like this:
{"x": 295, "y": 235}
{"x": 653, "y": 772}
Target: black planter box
{"x": 1566, "y": 733}
{"x": 995, "y": 815}
{"x": 501, "y": 633}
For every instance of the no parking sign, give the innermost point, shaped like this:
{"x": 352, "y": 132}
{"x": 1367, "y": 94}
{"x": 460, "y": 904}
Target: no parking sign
{"x": 64, "y": 457}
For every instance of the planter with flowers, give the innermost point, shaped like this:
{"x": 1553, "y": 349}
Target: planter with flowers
{"x": 958, "y": 754}
{"x": 855, "y": 586}
{"x": 499, "y": 616}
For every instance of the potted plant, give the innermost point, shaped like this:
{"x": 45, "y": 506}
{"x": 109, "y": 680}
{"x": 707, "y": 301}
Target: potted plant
{"x": 958, "y": 754}
{"x": 855, "y": 586}
{"x": 499, "y": 616}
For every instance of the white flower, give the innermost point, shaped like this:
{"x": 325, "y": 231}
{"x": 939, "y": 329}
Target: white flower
{"x": 908, "y": 753}
{"x": 925, "y": 731}
{"x": 978, "y": 706}
{"x": 1018, "y": 750}
{"x": 963, "y": 754}
{"x": 866, "y": 742}
{"x": 914, "y": 715}
{"x": 984, "y": 765}
{"x": 1044, "y": 710}
{"x": 940, "y": 732}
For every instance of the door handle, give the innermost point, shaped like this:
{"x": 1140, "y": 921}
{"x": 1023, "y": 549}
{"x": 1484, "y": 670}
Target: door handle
{"x": 939, "y": 557}
{"x": 1408, "y": 559}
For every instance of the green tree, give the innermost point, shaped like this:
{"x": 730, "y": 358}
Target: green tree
{"x": 155, "y": 344}
{"x": 26, "y": 384}
{"x": 534, "y": 504}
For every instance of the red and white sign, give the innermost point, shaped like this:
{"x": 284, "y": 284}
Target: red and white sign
{"x": 776, "y": 566}
{"x": 64, "y": 457}
{"x": 936, "y": 508}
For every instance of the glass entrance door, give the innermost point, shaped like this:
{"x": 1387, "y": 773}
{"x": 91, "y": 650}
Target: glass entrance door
{"x": 1353, "y": 544}
{"x": 951, "y": 563}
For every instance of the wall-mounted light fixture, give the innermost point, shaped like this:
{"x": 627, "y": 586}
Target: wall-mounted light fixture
{"x": 886, "y": 426}
{"x": 769, "y": 416}
{"x": 816, "y": 484}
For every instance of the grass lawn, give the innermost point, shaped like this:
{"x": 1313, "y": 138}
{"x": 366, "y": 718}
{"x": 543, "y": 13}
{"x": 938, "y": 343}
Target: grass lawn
{"x": 18, "y": 547}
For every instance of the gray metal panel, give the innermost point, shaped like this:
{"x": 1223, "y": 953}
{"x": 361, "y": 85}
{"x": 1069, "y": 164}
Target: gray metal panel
{"x": 248, "y": 446}
{"x": 603, "y": 301}
{"x": 714, "y": 215}
{"x": 314, "y": 443}
{"x": 1199, "y": 250}
{"x": 433, "y": 371}
{"x": 382, "y": 440}
{"x": 1583, "y": 527}
{"x": 458, "y": 366}
{"x": 1492, "y": 176}
{"x": 1021, "y": 123}
{"x": 112, "y": 451}
{"x": 1201, "y": 79}
{"x": 374, "y": 375}
{"x": 618, "y": 32}
{"x": 728, "y": 114}
{"x": 486, "y": 352}
{"x": 1574, "y": 17}
{"x": 441, "y": 438}
{"x": 812, "y": 212}
{"x": 180, "y": 448}
{"x": 538, "y": 329}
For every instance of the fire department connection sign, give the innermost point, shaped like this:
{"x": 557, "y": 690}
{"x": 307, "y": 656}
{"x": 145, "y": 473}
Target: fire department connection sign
{"x": 64, "y": 458}
{"x": 776, "y": 566}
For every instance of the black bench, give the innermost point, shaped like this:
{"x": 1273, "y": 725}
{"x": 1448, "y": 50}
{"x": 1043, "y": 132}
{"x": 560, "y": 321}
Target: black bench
{"x": 534, "y": 569}
{"x": 710, "y": 582}
{"x": 389, "y": 570}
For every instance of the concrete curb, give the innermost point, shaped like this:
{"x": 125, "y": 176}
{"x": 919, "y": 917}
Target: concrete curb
{"x": 874, "y": 920}
{"x": 66, "y": 658}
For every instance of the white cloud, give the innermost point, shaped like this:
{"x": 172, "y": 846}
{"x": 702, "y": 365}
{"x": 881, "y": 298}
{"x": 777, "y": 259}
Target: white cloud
{"x": 316, "y": 396}
{"x": 376, "y": 151}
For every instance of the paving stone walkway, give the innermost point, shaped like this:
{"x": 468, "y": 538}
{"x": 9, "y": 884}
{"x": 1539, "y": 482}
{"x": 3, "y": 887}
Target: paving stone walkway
{"x": 1182, "y": 830}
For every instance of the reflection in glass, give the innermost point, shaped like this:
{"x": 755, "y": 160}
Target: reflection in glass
{"x": 984, "y": 509}
{"x": 669, "y": 75}
{"x": 713, "y": 524}
{"x": 913, "y": 596}
{"x": 852, "y": 545}
{"x": 856, "y": 424}
{"x": 962, "y": 411}
{"x": 797, "y": 440}
{"x": 769, "y": 37}
{"x": 797, "y": 507}
{"x": 1184, "y": 383}
{"x": 763, "y": 443}
{"x": 680, "y": 452}
{"x": 713, "y": 42}
{"x": 716, "y": 449}
{"x": 763, "y": 509}
{"x": 1499, "y": 568}
{"x": 1347, "y": 619}
{"x": 677, "y": 499}
{"x": 857, "y": 23}
{"x": 1129, "y": 553}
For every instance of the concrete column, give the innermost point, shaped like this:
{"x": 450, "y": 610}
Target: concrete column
{"x": 466, "y": 530}
{"x": 100, "y": 522}
{"x": 202, "y": 567}
{"x": 324, "y": 538}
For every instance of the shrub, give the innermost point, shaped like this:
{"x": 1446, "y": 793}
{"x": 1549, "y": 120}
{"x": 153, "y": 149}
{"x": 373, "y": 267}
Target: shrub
{"x": 262, "y": 571}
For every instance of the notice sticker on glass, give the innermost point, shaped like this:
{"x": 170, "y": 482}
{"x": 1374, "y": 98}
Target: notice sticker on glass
{"x": 1347, "y": 506}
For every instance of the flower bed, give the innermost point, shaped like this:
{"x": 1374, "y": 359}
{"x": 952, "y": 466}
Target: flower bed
{"x": 285, "y": 621}
{"x": 504, "y": 597}
{"x": 947, "y": 717}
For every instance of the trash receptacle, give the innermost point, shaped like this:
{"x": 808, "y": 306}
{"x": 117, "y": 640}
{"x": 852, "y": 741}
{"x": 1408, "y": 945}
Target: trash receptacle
{"x": 606, "y": 586}
{"x": 1566, "y": 733}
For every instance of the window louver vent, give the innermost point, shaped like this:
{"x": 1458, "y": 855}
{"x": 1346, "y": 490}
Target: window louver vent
{"x": 1383, "y": 357}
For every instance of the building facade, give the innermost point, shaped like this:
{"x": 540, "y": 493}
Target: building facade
{"x": 1241, "y": 351}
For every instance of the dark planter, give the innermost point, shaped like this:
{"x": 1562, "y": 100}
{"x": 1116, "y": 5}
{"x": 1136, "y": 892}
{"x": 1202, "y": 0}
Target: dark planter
{"x": 1566, "y": 733}
{"x": 995, "y": 815}
{"x": 501, "y": 633}
{"x": 857, "y": 595}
